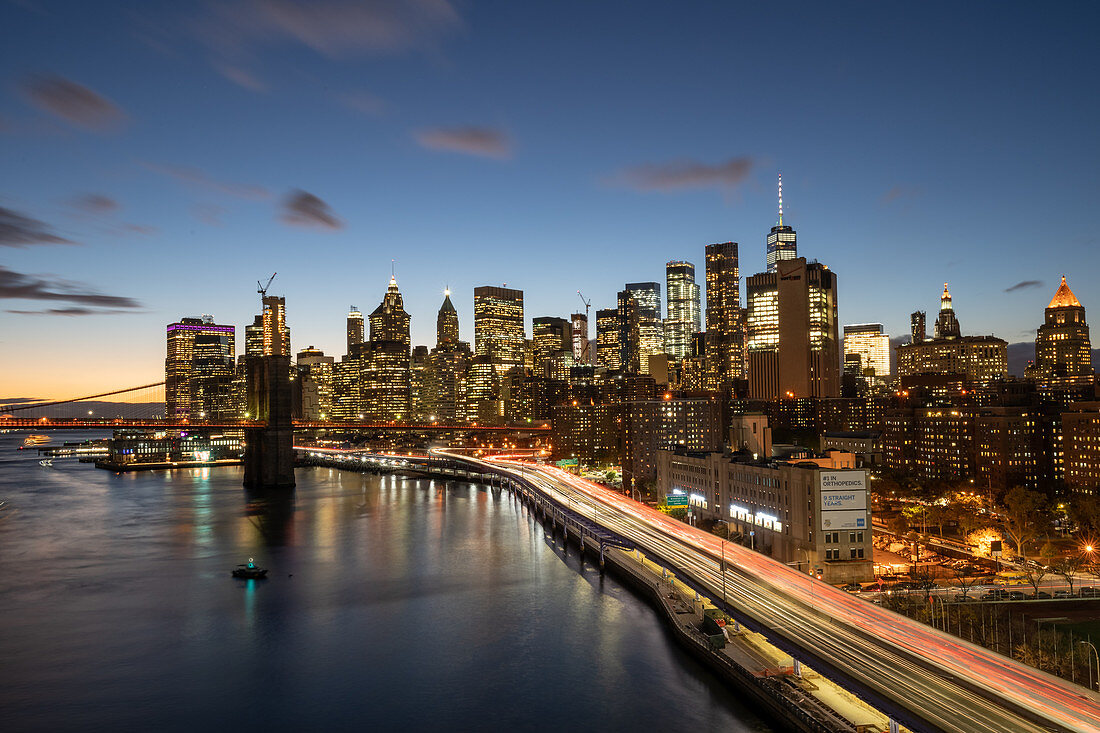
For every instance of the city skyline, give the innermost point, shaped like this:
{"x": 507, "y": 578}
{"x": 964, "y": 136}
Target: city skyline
{"x": 303, "y": 151}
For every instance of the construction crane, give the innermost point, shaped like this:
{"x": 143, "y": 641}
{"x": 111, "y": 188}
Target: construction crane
{"x": 585, "y": 352}
{"x": 262, "y": 289}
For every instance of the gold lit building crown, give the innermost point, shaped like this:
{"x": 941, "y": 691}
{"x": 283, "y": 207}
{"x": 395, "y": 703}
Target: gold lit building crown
{"x": 1064, "y": 298}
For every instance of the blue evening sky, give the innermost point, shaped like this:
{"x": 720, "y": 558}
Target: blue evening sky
{"x": 185, "y": 150}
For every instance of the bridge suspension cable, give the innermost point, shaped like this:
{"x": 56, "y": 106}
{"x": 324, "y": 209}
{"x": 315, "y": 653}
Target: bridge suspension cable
{"x": 51, "y": 403}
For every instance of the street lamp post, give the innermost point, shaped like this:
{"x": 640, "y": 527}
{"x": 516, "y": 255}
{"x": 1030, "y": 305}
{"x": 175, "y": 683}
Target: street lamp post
{"x": 1093, "y": 648}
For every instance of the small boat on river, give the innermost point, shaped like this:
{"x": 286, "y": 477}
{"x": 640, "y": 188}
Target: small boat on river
{"x": 250, "y": 571}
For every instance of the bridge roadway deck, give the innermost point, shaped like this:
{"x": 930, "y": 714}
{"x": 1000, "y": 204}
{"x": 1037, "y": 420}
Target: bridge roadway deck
{"x": 48, "y": 423}
{"x": 927, "y": 679}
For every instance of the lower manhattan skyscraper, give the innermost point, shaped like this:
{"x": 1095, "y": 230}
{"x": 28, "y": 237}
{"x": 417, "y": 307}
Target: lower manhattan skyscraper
{"x": 782, "y": 240}
{"x": 276, "y": 333}
{"x": 1063, "y": 352}
{"x": 582, "y": 353}
{"x": 627, "y": 323}
{"x": 793, "y": 341}
{"x": 871, "y": 344}
{"x": 725, "y": 341}
{"x": 384, "y": 365}
{"x": 683, "y": 308}
{"x": 216, "y": 344}
{"x": 978, "y": 360}
{"x": 651, "y": 339}
{"x": 608, "y": 349}
{"x": 498, "y": 326}
{"x": 355, "y": 328}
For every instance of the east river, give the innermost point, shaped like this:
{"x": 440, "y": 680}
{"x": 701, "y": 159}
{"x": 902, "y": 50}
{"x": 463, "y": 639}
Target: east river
{"x": 391, "y": 604}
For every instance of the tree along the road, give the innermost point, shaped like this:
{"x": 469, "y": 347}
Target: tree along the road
{"x": 1025, "y": 516}
{"x": 1036, "y": 572}
{"x": 1084, "y": 510}
{"x": 1068, "y": 567}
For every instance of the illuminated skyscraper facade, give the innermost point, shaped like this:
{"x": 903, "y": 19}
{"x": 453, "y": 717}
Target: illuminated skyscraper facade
{"x": 725, "y": 340}
{"x": 793, "y": 336}
{"x": 212, "y": 378}
{"x": 444, "y": 399}
{"x": 582, "y": 353}
{"x": 550, "y": 336}
{"x": 217, "y": 348}
{"x": 316, "y": 374}
{"x": 498, "y": 326}
{"x": 683, "y": 308}
{"x": 782, "y": 240}
{"x": 977, "y": 360}
{"x": 1063, "y": 351}
{"x": 276, "y": 333}
{"x": 384, "y": 367}
{"x": 608, "y": 349}
{"x": 627, "y": 322}
{"x": 871, "y": 345}
{"x": 355, "y": 328}
{"x": 947, "y": 325}
{"x": 446, "y": 323}
{"x": 651, "y": 337}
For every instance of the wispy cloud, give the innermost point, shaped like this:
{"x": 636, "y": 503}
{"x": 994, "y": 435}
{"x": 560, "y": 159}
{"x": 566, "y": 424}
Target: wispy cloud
{"x": 18, "y": 230}
{"x": 74, "y": 103}
{"x": 685, "y": 174}
{"x": 19, "y": 286}
{"x": 242, "y": 77}
{"x": 71, "y": 311}
{"x": 1024, "y": 285}
{"x": 95, "y": 203}
{"x": 301, "y": 208}
{"x": 898, "y": 192}
{"x": 236, "y": 32}
{"x": 485, "y": 141}
{"x": 199, "y": 179}
{"x": 331, "y": 27}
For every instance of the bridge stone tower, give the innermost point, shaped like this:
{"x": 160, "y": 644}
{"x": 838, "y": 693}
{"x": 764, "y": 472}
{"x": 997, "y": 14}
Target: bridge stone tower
{"x": 269, "y": 450}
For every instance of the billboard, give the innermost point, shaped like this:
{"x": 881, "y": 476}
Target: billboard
{"x": 856, "y": 519}
{"x": 843, "y": 500}
{"x": 843, "y": 496}
{"x": 844, "y": 480}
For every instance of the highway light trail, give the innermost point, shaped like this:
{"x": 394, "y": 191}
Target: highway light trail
{"x": 948, "y": 682}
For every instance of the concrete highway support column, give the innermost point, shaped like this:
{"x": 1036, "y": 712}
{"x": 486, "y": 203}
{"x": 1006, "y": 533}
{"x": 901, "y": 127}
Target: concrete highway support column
{"x": 269, "y": 451}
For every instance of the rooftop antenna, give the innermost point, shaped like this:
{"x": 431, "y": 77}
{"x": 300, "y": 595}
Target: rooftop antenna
{"x": 780, "y": 199}
{"x": 262, "y": 289}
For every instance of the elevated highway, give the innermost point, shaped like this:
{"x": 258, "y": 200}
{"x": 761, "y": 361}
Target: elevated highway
{"x": 928, "y": 680}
